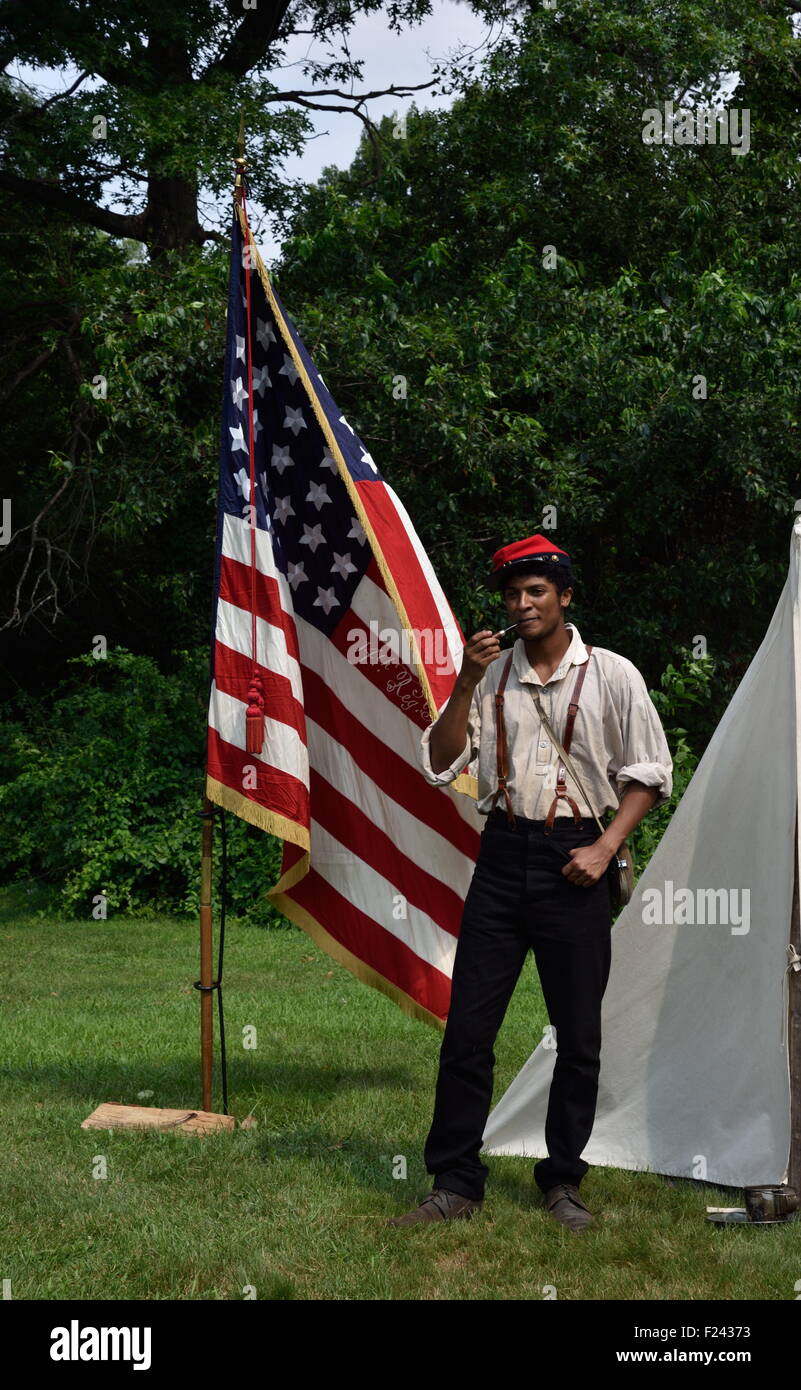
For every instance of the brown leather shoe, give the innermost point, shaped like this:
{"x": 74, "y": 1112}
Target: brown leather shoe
{"x": 565, "y": 1206}
{"x": 440, "y": 1205}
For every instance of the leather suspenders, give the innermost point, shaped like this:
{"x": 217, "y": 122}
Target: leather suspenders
{"x": 500, "y": 742}
{"x": 561, "y": 792}
{"x": 561, "y": 771}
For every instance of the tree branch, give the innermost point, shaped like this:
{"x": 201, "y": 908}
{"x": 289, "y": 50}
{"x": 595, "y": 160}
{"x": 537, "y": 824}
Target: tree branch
{"x": 404, "y": 90}
{"x": 251, "y": 39}
{"x": 53, "y": 196}
{"x": 301, "y": 98}
{"x": 26, "y": 371}
{"x": 29, "y": 114}
{"x": 372, "y": 130}
{"x": 114, "y": 171}
{"x": 16, "y": 616}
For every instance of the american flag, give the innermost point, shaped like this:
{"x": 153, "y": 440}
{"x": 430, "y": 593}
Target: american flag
{"x": 334, "y": 645}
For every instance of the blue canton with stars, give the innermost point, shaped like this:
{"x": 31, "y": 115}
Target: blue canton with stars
{"x": 301, "y": 500}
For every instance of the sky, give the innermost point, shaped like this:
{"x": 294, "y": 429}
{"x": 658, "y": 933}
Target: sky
{"x": 389, "y": 58}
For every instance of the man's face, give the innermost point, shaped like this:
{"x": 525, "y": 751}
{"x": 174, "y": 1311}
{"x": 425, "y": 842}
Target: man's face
{"x": 532, "y": 601}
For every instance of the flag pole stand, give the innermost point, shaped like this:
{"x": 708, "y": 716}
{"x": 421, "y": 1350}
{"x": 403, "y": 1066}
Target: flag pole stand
{"x": 112, "y": 1114}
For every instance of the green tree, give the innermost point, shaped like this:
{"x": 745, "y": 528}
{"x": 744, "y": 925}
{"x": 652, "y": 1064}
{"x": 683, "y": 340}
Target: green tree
{"x": 532, "y": 307}
{"x": 111, "y": 363}
{"x": 163, "y": 122}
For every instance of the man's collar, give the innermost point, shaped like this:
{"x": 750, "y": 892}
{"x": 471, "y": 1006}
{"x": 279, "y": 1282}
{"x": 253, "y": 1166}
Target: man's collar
{"x": 574, "y": 656}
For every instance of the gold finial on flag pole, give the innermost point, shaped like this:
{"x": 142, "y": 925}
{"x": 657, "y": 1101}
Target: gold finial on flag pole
{"x": 240, "y": 160}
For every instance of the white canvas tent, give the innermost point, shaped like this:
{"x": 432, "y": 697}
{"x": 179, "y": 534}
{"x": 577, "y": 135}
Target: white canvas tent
{"x": 695, "y": 1067}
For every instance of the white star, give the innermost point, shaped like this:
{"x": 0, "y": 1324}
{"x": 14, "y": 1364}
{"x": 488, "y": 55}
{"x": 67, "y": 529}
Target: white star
{"x": 264, "y": 332}
{"x": 265, "y": 486}
{"x": 242, "y": 479}
{"x": 289, "y": 369}
{"x": 237, "y": 439}
{"x": 342, "y": 565}
{"x": 240, "y": 347}
{"x": 343, "y": 421}
{"x": 283, "y": 508}
{"x": 238, "y": 392}
{"x": 325, "y": 599}
{"x": 312, "y": 535}
{"x": 317, "y": 494}
{"x": 257, "y": 425}
{"x": 281, "y": 458}
{"x": 328, "y": 461}
{"x": 294, "y": 420}
{"x": 260, "y": 380}
{"x": 322, "y": 380}
{"x": 357, "y": 531}
{"x": 366, "y": 458}
{"x": 296, "y": 575}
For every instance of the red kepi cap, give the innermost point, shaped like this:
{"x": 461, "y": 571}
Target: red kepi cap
{"x": 520, "y": 553}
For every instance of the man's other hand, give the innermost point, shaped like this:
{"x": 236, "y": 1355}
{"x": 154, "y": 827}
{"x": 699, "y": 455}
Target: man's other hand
{"x": 588, "y": 864}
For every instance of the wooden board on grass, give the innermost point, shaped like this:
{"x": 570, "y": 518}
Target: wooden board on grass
{"x": 113, "y": 1115}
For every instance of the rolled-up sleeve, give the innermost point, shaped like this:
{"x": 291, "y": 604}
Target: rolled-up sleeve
{"x": 467, "y": 755}
{"x": 647, "y": 756}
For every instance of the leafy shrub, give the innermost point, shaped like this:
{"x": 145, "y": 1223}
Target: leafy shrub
{"x": 101, "y": 783}
{"x": 683, "y": 688}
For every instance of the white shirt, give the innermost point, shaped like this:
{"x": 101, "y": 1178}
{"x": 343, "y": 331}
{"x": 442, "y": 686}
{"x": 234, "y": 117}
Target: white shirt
{"x": 617, "y": 734}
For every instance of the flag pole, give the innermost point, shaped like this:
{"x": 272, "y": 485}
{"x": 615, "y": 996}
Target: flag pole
{"x": 111, "y": 1114}
{"x": 206, "y": 984}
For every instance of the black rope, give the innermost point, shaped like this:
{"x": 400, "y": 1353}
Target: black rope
{"x": 217, "y": 984}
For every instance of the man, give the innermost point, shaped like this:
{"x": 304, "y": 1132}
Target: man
{"x": 541, "y": 877}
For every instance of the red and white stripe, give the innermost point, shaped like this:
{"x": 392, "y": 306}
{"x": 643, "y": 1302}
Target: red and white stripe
{"x": 390, "y": 856}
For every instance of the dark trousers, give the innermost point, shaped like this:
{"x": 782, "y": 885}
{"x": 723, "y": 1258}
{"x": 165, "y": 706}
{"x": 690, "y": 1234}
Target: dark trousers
{"x": 519, "y": 898}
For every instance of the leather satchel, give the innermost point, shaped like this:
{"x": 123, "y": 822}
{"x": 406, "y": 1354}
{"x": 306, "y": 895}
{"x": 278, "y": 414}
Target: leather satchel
{"x": 621, "y": 865}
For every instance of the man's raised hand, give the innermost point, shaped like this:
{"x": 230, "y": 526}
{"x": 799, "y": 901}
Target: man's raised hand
{"x": 482, "y": 648}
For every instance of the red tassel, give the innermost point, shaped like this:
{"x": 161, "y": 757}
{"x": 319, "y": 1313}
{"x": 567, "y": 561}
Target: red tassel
{"x": 254, "y": 719}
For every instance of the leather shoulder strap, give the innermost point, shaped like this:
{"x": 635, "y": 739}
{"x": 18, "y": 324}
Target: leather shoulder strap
{"x": 506, "y": 669}
{"x": 500, "y": 742}
{"x": 560, "y": 791}
{"x": 574, "y": 703}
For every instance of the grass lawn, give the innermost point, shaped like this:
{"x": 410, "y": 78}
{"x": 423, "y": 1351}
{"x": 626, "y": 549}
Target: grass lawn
{"x": 340, "y": 1083}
